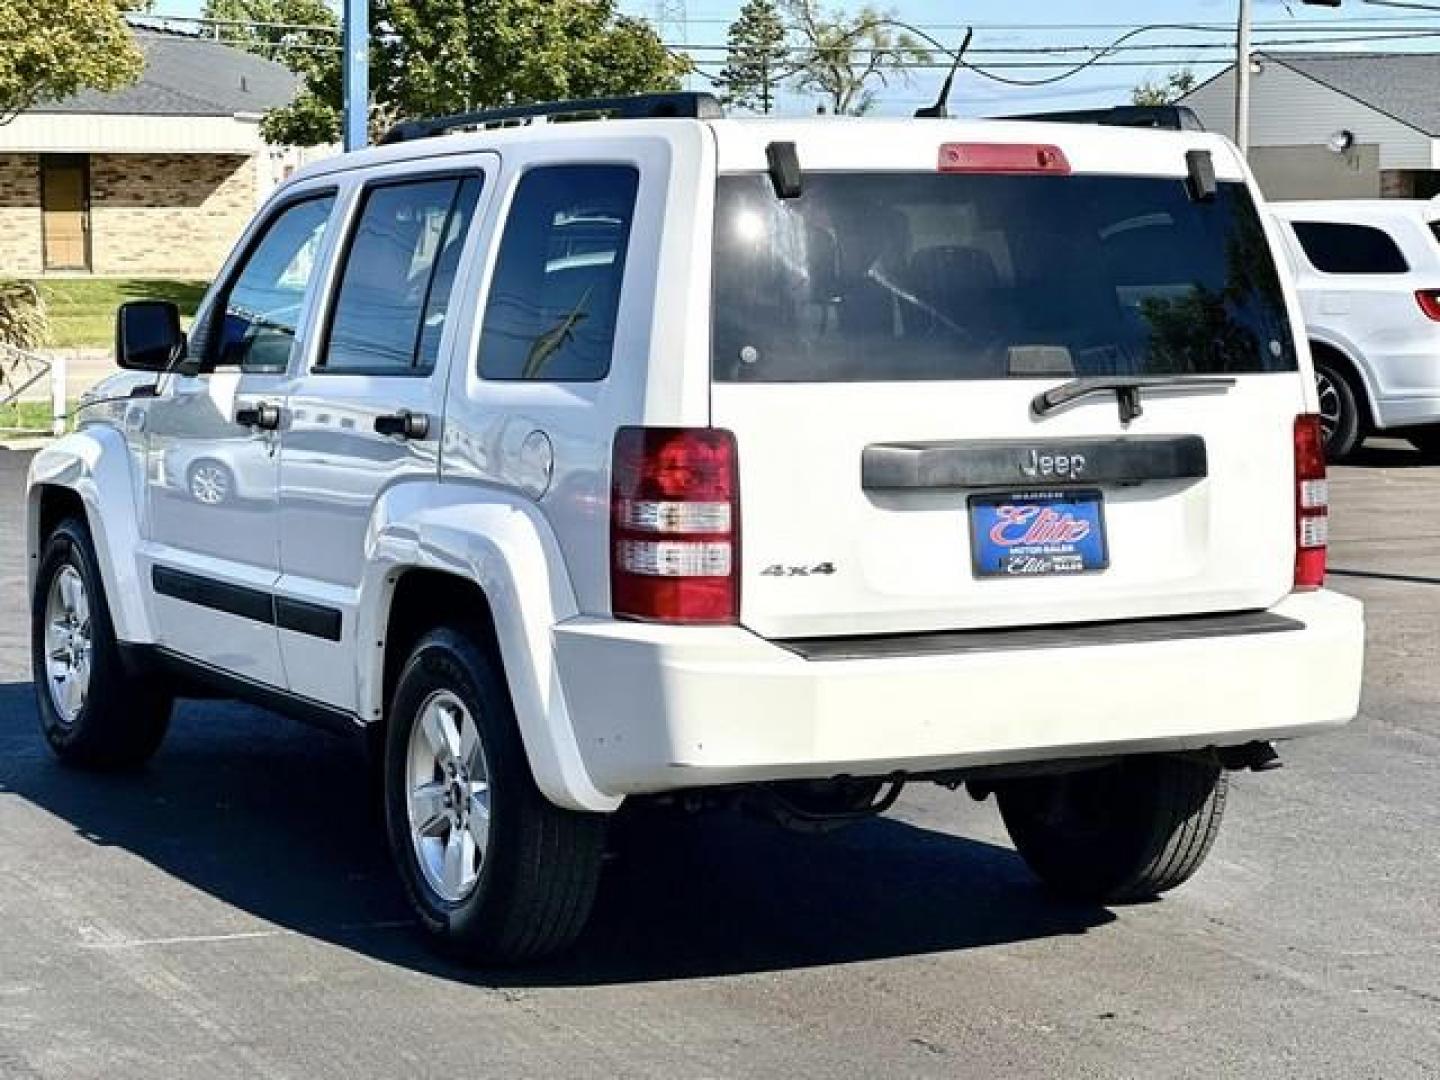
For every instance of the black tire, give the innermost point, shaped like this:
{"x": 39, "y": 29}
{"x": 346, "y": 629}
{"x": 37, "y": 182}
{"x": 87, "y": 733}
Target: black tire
{"x": 1426, "y": 440}
{"x": 1340, "y": 411}
{"x": 1122, "y": 833}
{"x": 124, "y": 715}
{"x": 538, "y": 875}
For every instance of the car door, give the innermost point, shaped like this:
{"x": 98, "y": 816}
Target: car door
{"x": 366, "y": 415}
{"x": 213, "y": 454}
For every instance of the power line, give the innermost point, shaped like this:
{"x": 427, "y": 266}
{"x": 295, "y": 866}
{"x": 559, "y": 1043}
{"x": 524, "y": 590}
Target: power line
{"x": 1048, "y": 50}
{"x": 1218, "y": 27}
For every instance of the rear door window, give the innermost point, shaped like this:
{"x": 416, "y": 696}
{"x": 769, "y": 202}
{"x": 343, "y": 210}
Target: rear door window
{"x": 886, "y": 277}
{"x": 556, "y": 289}
{"x": 1335, "y": 248}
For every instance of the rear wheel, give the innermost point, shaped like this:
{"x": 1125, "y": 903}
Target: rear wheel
{"x": 93, "y": 711}
{"x": 495, "y": 871}
{"x": 1339, "y": 411}
{"x": 1125, "y": 832}
{"x": 1426, "y": 440}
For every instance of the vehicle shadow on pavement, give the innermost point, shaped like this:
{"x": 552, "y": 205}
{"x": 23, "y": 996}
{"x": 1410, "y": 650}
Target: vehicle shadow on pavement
{"x": 1386, "y": 454}
{"x": 275, "y": 819}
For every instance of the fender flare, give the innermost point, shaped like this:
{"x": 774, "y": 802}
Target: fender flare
{"x": 500, "y": 542}
{"x": 95, "y": 464}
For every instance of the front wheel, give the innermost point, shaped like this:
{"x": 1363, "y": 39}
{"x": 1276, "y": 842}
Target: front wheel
{"x": 1126, "y": 832}
{"x": 94, "y": 712}
{"x": 496, "y": 872}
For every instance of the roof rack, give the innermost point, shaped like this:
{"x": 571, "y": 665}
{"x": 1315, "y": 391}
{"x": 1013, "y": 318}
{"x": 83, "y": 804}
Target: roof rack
{"x": 1160, "y": 117}
{"x": 692, "y": 105}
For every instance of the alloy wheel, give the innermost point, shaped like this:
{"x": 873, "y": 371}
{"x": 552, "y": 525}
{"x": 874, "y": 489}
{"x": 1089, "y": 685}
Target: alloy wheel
{"x": 68, "y": 644}
{"x": 209, "y": 484}
{"x": 447, "y": 786}
{"x": 1330, "y": 405}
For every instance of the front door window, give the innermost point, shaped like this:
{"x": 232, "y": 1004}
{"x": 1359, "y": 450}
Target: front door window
{"x": 260, "y": 311}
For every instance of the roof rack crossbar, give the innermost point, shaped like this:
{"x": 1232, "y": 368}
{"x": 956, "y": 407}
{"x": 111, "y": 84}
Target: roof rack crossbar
{"x": 690, "y": 105}
{"x": 1162, "y": 117}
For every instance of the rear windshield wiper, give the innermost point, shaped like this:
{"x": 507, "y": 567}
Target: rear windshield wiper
{"x": 1126, "y": 388}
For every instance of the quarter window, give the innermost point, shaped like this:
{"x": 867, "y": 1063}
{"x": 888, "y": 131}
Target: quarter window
{"x": 398, "y": 274}
{"x": 262, "y": 307}
{"x": 1334, "y": 248}
{"x": 556, "y": 289}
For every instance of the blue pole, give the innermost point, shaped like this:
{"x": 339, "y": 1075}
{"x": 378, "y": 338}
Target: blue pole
{"x": 357, "y": 73}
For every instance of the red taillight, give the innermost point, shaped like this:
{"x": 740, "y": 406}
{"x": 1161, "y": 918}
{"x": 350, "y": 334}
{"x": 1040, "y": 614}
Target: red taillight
{"x": 675, "y": 526}
{"x": 1312, "y": 504}
{"x": 1429, "y": 303}
{"x": 1003, "y": 158}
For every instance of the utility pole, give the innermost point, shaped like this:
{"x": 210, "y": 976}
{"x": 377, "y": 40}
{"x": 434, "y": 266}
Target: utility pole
{"x": 1242, "y": 79}
{"x": 671, "y": 20}
{"x": 355, "y": 126}
{"x": 1242, "y": 64}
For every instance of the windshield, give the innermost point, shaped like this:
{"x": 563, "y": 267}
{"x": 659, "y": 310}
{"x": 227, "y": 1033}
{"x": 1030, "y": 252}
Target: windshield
{"x": 885, "y": 277}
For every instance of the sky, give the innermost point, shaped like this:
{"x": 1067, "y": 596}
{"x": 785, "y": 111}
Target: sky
{"x": 1031, "y": 24}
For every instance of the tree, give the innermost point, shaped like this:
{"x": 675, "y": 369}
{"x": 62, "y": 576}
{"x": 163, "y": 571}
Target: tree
{"x": 844, "y": 57}
{"x": 1175, "y": 86}
{"x": 431, "y": 57}
{"x": 50, "y": 49}
{"x": 297, "y": 33}
{"x": 754, "y": 57}
{"x": 312, "y": 53}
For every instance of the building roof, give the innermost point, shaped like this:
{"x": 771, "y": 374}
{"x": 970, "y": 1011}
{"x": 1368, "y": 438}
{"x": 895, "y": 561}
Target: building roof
{"x": 1405, "y": 86}
{"x": 190, "y": 76}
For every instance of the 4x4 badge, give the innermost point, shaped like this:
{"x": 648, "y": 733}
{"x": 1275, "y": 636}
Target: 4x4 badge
{"x": 824, "y": 569}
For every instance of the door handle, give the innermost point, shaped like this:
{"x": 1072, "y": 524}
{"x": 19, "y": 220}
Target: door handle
{"x": 263, "y": 415}
{"x": 404, "y": 424}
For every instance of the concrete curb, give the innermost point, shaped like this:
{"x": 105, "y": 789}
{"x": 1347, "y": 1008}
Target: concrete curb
{"x": 23, "y": 443}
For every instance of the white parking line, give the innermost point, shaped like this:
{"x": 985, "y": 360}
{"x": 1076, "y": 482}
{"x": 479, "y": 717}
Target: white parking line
{"x": 90, "y": 940}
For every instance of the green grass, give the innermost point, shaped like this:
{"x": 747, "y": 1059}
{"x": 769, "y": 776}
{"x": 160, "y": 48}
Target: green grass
{"x": 28, "y": 416}
{"x": 82, "y": 310}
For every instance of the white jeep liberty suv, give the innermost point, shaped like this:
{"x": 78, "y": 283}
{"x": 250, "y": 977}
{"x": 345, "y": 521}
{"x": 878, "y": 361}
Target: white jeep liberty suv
{"x": 653, "y": 454}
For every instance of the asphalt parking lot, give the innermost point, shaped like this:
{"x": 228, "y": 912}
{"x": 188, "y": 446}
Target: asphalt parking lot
{"x": 229, "y": 913}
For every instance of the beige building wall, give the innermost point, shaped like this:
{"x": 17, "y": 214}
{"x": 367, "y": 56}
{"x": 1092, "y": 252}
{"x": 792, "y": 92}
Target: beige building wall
{"x": 1290, "y": 109}
{"x": 20, "y": 236}
{"x": 167, "y": 214}
{"x": 1316, "y": 172}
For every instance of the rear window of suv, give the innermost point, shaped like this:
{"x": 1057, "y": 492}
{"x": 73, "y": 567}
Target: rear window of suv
{"x": 893, "y": 277}
{"x": 1336, "y": 248}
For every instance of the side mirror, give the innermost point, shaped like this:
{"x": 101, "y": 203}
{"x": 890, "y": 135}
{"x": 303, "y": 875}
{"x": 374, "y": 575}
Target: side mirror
{"x": 148, "y": 335}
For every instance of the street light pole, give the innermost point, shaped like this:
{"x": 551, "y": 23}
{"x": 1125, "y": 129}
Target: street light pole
{"x": 1242, "y": 79}
{"x": 357, "y": 74}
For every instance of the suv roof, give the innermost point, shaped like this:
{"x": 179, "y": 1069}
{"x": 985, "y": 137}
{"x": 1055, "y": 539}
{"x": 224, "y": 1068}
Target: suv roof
{"x": 827, "y": 143}
{"x": 1360, "y": 210}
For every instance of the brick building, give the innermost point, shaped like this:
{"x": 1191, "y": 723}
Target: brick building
{"x": 154, "y": 180}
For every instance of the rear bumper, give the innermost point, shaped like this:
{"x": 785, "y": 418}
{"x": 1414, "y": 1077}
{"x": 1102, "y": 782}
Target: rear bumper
{"x": 661, "y": 708}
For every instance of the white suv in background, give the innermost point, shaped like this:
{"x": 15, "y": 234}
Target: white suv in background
{"x": 672, "y": 458}
{"x": 1369, "y": 278}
